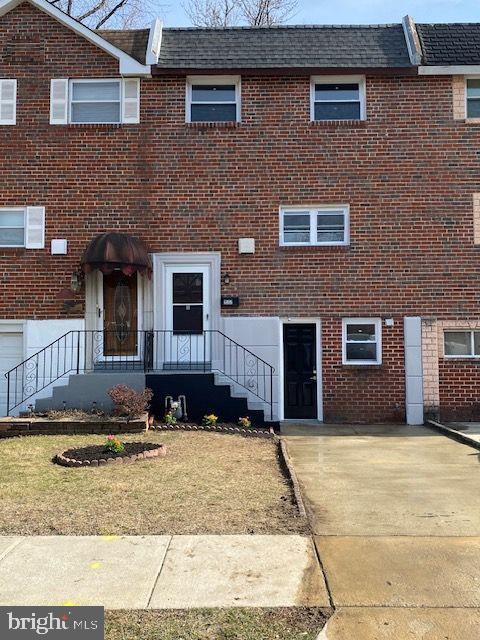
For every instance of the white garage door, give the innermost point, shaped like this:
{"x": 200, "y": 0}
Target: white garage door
{"x": 11, "y": 354}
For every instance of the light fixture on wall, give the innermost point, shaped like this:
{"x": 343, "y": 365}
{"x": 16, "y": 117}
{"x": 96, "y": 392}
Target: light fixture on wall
{"x": 226, "y": 278}
{"x": 76, "y": 281}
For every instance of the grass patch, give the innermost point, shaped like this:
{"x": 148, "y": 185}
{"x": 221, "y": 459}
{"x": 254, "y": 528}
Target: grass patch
{"x": 215, "y": 624}
{"x": 207, "y": 483}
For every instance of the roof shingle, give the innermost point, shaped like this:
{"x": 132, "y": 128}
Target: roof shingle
{"x": 450, "y": 44}
{"x": 347, "y": 47}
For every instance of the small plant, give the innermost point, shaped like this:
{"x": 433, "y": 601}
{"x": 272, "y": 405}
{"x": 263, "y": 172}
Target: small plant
{"x": 113, "y": 445}
{"x": 169, "y": 418}
{"x": 210, "y": 421}
{"x": 128, "y": 402}
{"x": 245, "y": 422}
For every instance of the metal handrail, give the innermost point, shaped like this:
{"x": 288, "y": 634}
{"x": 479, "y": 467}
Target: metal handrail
{"x": 80, "y": 351}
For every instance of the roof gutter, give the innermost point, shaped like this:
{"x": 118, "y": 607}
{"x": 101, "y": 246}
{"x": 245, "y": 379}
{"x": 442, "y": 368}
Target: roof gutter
{"x": 158, "y": 70}
{"x": 412, "y": 38}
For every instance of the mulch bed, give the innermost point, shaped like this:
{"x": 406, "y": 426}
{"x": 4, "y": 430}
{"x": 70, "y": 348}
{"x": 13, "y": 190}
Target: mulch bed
{"x": 96, "y": 455}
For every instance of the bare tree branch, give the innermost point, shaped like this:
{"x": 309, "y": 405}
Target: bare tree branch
{"x": 116, "y": 7}
{"x": 211, "y": 13}
{"x": 267, "y": 13}
{"x": 92, "y": 10}
{"x": 117, "y": 13}
{"x": 226, "y": 13}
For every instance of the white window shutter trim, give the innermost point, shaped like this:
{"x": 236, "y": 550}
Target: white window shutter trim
{"x": 35, "y": 228}
{"x": 59, "y": 101}
{"x": 131, "y": 101}
{"x": 8, "y": 102}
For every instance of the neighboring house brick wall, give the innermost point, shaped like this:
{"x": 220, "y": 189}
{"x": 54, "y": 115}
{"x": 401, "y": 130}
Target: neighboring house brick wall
{"x": 476, "y": 218}
{"x": 431, "y": 388}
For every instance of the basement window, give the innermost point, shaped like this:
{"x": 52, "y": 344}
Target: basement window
{"x": 462, "y": 344}
{"x": 213, "y": 99}
{"x": 361, "y": 341}
{"x": 338, "y": 98}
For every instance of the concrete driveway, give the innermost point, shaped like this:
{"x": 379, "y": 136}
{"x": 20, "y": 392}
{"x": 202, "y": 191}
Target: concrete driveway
{"x": 396, "y": 517}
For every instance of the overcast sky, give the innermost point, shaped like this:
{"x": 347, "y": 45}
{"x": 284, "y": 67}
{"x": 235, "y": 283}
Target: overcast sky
{"x": 361, "y": 11}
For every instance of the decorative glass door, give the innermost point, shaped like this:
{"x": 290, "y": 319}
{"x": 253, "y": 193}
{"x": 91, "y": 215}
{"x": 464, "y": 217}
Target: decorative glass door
{"x": 120, "y": 314}
{"x": 186, "y": 345}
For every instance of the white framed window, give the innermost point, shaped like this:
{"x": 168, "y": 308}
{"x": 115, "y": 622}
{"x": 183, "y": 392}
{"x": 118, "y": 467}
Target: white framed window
{"x": 337, "y": 98}
{"x": 8, "y": 101}
{"x": 322, "y": 226}
{"x": 22, "y": 227}
{"x": 213, "y": 99}
{"x": 472, "y": 97}
{"x": 362, "y": 341}
{"x": 95, "y": 101}
{"x": 462, "y": 343}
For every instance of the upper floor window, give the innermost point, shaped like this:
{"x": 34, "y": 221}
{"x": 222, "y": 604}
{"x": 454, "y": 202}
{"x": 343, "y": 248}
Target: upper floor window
{"x": 462, "y": 344}
{"x": 213, "y": 99}
{"x": 361, "y": 341}
{"x": 338, "y": 98}
{"x": 473, "y": 98}
{"x": 314, "y": 226}
{"x": 22, "y": 227}
{"x": 95, "y": 101}
{"x": 8, "y": 102}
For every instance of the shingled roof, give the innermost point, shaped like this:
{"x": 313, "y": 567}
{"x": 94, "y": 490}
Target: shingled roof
{"x": 365, "y": 46}
{"x": 132, "y": 41}
{"x": 450, "y": 44}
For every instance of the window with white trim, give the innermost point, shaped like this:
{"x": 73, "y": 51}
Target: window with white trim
{"x": 213, "y": 99}
{"x": 362, "y": 341}
{"x": 462, "y": 344}
{"x": 473, "y": 97}
{"x": 95, "y": 101}
{"x": 301, "y": 226}
{"x": 334, "y": 98}
{"x": 8, "y": 102}
{"x": 22, "y": 227}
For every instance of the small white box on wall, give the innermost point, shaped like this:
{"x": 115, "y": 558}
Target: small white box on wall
{"x": 59, "y": 247}
{"x": 246, "y": 245}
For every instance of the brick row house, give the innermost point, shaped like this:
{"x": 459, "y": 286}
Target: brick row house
{"x": 283, "y": 221}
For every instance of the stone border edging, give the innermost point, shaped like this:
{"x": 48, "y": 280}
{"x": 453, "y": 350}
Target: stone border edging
{"x": 455, "y": 435}
{"x": 246, "y": 433}
{"x": 293, "y": 477}
{"x": 62, "y": 460}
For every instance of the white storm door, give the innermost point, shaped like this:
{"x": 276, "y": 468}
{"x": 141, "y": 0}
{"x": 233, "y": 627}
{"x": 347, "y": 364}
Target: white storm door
{"x": 187, "y": 341}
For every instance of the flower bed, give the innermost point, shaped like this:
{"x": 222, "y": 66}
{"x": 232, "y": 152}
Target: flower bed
{"x": 96, "y": 455}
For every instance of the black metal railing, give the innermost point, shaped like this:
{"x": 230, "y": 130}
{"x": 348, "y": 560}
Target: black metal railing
{"x": 147, "y": 351}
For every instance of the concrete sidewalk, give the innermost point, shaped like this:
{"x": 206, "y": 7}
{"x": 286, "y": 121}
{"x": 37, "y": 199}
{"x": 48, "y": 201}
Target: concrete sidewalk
{"x": 161, "y": 572}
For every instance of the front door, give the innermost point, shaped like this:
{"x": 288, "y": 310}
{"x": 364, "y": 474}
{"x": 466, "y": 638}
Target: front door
{"x": 187, "y": 343}
{"x": 300, "y": 371}
{"x": 120, "y": 314}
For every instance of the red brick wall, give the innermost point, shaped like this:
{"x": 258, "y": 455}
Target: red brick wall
{"x": 408, "y": 174}
{"x": 363, "y": 393}
{"x": 459, "y": 390}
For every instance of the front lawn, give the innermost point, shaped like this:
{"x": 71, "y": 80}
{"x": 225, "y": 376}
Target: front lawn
{"x": 207, "y": 483}
{"x": 215, "y": 624}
